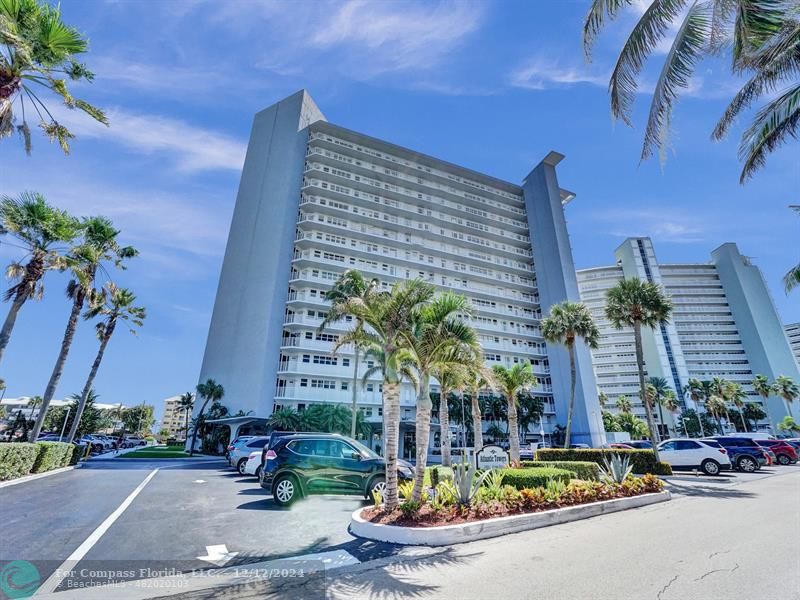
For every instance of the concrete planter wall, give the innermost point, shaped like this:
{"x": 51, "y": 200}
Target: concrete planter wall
{"x": 446, "y": 535}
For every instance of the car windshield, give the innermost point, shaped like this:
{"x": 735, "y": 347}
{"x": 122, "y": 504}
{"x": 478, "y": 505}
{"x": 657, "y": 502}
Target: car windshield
{"x": 365, "y": 452}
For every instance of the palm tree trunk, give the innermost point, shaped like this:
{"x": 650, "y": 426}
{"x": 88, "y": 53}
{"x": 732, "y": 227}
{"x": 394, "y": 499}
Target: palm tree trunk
{"x": 355, "y": 394}
{"x": 58, "y": 368}
{"x": 391, "y": 429}
{"x": 194, "y": 430}
{"x": 444, "y": 426}
{"x": 741, "y": 416}
{"x": 477, "y": 426}
{"x": 513, "y": 428}
{"x": 8, "y": 324}
{"x": 637, "y": 334}
{"x": 573, "y": 376}
{"x": 186, "y": 427}
{"x": 424, "y": 406}
{"x": 89, "y": 382}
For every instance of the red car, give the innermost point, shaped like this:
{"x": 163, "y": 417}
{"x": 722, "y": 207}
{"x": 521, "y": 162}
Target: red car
{"x": 785, "y": 454}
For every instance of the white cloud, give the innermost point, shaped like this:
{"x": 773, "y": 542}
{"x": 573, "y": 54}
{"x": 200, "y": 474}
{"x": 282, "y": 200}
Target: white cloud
{"x": 191, "y": 148}
{"x": 660, "y": 223}
{"x": 540, "y": 73}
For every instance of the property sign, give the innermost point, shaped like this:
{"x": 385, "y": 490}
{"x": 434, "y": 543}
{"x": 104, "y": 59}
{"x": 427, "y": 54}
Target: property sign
{"x": 491, "y": 457}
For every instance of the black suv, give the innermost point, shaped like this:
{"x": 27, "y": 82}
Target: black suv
{"x": 323, "y": 463}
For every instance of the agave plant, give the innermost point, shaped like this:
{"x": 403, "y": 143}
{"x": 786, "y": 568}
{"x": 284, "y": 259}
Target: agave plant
{"x": 466, "y": 484}
{"x": 617, "y": 469}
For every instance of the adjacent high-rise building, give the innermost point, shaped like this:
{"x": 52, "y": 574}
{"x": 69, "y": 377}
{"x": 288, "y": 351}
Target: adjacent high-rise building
{"x": 174, "y": 417}
{"x": 316, "y": 199}
{"x": 724, "y": 324}
{"x": 793, "y": 335}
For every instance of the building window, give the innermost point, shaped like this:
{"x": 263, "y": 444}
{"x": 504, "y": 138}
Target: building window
{"x": 345, "y": 362}
{"x": 344, "y": 386}
{"x": 306, "y": 358}
{"x": 370, "y": 387}
{"x": 304, "y": 383}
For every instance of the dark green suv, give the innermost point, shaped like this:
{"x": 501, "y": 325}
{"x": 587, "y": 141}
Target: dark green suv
{"x": 324, "y": 463}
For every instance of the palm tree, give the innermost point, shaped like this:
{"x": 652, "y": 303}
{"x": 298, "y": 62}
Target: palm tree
{"x": 789, "y": 425}
{"x": 763, "y": 388}
{"x": 450, "y": 378}
{"x": 38, "y": 228}
{"x": 209, "y": 391}
{"x": 285, "y": 418}
{"x": 34, "y": 403}
{"x": 114, "y": 305}
{"x": 567, "y": 322}
{"x": 715, "y": 405}
{"x": 792, "y": 277}
{"x": 99, "y": 244}
{"x": 766, "y": 45}
{"x": 623, "y": 404}
{"x": 351, "y": 286}
{"x": 636, "y": 303}
{"x": 737, "y": 396}
{"x": 39, "y": 48}
{"x": 669, "y": 400}
{"x": 786, "y": 389}
{"x": 511, "y": 382}
{"x": 186, "y": 404}
{"x": 388, "y": 319}
{"x": 659, "y": 387}
{"x": 439, "y": 342}
{"x": 477, "y": 377}
{"x": 602, "y": 399}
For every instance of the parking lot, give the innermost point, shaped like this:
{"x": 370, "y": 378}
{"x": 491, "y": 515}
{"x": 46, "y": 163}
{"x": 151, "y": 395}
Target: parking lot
{"x": 186, "y": 507}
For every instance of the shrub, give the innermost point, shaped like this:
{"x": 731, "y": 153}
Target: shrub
{"x": 51, "y": 455}
{"x": 586, "y": 470}
{"x": 77, "y": 453}
{"x": 537, "y": 477}
{"x": 642, "y": 461}
{"x": 16, "y": 459}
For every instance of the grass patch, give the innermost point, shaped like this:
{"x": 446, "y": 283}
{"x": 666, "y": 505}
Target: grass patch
{"x": 157, "y": 452}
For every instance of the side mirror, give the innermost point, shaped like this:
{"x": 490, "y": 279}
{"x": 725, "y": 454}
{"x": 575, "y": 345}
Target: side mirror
{"x": 356, "y": 456}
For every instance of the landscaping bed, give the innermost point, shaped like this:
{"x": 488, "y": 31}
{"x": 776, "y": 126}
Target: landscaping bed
{"x": 510, "y": 501}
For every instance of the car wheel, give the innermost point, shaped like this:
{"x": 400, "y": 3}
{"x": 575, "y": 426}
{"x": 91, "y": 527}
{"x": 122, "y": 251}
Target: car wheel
{"x": 258, "y": 472}
{"x": 285, "y": 490}
{"x": 747, "y": 464}
{"x": 241, "y": 465}
{"x": 377, "y": 485}
{"x": 710, "y": 467}
{"x": 783, "y": 459}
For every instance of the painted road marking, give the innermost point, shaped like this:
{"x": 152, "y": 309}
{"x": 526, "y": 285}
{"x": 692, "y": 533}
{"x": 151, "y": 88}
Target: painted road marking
{"x": 143, "y": 589}
{"x": 217, "y": 555}
{"x": 199, "y": 481}
{"x": 60, "y": 573}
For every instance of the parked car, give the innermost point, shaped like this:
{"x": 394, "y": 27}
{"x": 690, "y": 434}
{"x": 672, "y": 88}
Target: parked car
{"x": 640, "y": 444}
{"x": 745, "y": 454}
{"x": 785, "y": 453}
{"x": 621, "y": 446}
{"x": 580, "y": 446}
{"x": 132, "y": 441}
{"x": 312, "y": 463}
{"x": 253, "y": 464}
{"x": 687, "y": 454}
{"x": 240, "y": 451}
{"x": 94, "y": 445}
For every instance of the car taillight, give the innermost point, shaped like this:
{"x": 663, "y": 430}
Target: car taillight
{"x": 230, "y": 448}
{"x": 722, "y": 450}
{"x": 270, "y": 455}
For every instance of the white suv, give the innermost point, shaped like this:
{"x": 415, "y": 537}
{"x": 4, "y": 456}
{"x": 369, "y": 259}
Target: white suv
{"x": 688, "y": 454}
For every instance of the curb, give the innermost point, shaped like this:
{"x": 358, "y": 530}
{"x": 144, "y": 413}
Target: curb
{"x": 446, "y": 535}
{"x": 27, "y": 478}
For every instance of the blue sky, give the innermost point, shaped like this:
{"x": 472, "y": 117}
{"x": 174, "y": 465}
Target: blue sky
{"x": 490, "y": 85}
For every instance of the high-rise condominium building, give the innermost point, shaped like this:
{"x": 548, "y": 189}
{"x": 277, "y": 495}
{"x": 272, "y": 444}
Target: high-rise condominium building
{"x": 174, "y": 418}
{"x": 793, "y": 334}
{"x": 724, "y": 324}
{"x": 316, "y": 199}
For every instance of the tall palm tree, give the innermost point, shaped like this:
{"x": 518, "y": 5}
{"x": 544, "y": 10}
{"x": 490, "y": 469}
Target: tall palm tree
{"x": 736, "y": 395}
{"x": 623, "y": 404}
{"x": 566, "y": 322}
{"x": 636, "y": 303}
{"x": 669, "y": 400}
{"x": 766, "y": 46}
{"x": 209, "y": 391}
{"x": 763, "y": 388}
{"x": 350, "y": 286}
{"x": 511, "y": 382}
{"x": 99, "y": 245}
{"x": 656, "y": 388}
{"x": 439, "y": 342}
{"x": 186, "y": 404}
{"x": 450, "y": 377}
{"x": 477, "y": 378}
{"x": 39, "y": 229}
{"x": 38, "y": 50}
{"x": 388, "y": 319}
{"x": 715, "y": 405}
{"x": 786, "y": 389}
{"x": 114, "y": 305}
{"x": 285, "y": 418}
{"x": 602, "y": 399}
{"x": 34, "y": 403}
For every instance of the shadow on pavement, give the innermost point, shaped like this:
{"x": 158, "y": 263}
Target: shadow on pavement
{"x": 709, "y": 491}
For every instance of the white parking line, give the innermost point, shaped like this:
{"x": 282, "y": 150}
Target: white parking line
{"x": 63, "y": 570}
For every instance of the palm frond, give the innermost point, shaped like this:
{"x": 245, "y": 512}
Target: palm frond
{"x": 678, "y": 67}
{"x": 756, "y": 22}
{"x": 773, "y": 124}
{"x": 644, "y": 38}
{"x": 792, "y": 279}
{"x": 595, "y": 19}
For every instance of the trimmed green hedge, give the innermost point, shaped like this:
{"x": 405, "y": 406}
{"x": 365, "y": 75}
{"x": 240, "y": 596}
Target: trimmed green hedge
{"x": 16, "y": 459}
{"x": 77, "y": 453}
{"x": 52, "y": 455}
{"x": 643, "y": 461}
{"x": 586, "y": 470}
{"x": 536, "y": 477}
